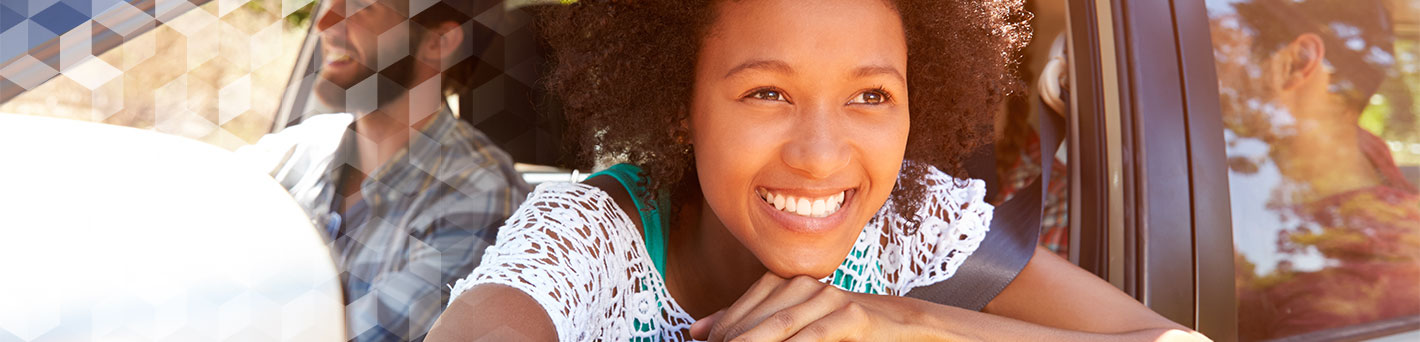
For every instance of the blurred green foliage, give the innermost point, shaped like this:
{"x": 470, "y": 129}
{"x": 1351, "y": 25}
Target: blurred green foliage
{"x": 298, "y": 19}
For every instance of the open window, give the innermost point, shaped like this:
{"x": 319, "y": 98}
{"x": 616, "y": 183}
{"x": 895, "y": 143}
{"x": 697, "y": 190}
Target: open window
{"x": 207, "y": 70}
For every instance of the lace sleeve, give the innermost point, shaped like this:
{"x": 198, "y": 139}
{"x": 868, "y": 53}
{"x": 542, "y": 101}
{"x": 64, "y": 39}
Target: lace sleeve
{"x": 553, "y": 249}
{"x": 952, "y": 221}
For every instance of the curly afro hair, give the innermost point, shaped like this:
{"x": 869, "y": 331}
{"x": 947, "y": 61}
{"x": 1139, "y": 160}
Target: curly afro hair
{"x": 624, "y": 72}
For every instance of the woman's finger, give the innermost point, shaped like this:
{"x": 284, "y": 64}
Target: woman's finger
{"x": 747, "y": 301}
{"x": 791, "y": 292}
{"x": 700, "y": 330}
{"x": 782, "y": 324}
{"x": 848, "y": 323}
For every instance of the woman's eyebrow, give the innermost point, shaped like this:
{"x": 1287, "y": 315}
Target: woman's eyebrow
{"x": 763, "y": 64}
{"x": 871, "y": 70}
{"x": 784, "y": 68}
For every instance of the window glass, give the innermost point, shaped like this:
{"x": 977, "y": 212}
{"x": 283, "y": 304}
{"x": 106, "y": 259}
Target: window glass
{"x": 1320, "y": 118}
{"x": 214, "y": 73}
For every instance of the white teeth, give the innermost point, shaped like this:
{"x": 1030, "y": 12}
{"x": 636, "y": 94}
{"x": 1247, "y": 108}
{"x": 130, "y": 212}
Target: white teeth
{"x": 810, "y": 207}
{"x": 805, "y": 208}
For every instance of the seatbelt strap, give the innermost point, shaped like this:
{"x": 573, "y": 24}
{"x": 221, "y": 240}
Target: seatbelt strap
{"x": 1009, "y": 245}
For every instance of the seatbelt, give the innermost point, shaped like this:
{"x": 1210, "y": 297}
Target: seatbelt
{"x": 1009, "y": 245}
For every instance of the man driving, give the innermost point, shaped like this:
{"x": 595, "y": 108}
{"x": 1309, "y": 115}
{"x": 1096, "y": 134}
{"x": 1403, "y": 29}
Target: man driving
{"x": 407, "y": 195}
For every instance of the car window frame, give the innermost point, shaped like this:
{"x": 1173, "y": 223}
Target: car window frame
{"x": 1149, "y": 189}
{"x": 303, "y": 77}
{"x": 1088, "y": 164}
{"x": 1174, "y": 174}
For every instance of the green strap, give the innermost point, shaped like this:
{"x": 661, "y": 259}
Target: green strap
{"x": 652, "y": 218}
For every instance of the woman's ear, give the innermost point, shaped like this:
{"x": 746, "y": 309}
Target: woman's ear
{"x": 1306, "y": 54}
{"x": 440, "y": 43}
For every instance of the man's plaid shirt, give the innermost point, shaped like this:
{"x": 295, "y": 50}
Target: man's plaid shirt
{"x": 423, "y": 221}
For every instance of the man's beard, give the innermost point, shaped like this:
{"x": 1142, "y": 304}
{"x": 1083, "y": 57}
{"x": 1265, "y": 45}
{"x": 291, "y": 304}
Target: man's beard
{"x": 386, "y": 85}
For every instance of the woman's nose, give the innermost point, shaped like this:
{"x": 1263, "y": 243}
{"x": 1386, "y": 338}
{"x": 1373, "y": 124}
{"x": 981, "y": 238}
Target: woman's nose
{"x": 819, "y": 147}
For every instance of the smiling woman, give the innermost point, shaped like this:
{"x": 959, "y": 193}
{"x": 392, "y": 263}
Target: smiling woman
{"x": 785, "y": 176}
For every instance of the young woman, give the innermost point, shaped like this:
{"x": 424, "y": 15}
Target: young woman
{"x": 780, "y": 183}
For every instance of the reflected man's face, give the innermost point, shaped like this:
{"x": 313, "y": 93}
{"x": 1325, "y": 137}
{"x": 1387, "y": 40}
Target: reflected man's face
{"x": 1250, "y": 101}
{"x": 1280, "y": 94}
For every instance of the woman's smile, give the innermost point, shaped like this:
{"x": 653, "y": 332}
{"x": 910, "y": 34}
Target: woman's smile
{"x": 805, "y": 211}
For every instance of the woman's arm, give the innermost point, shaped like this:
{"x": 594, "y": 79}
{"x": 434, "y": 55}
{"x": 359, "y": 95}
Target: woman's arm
{"x": 1050, "y": 300}
{"x": 493, "y": 312}
{"x": 1052, "y": 292}
{"x": 1054, "y": 299}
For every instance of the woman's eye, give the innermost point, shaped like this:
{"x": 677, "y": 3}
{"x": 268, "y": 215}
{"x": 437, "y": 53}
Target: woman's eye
{"x": 871, "y": 97}
{"x": 768, "y": 95}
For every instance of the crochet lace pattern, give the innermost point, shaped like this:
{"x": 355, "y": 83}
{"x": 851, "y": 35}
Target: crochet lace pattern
{"x": 573, "y": 250}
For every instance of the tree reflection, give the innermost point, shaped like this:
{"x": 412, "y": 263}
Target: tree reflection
{"x": 1327, "y": 228}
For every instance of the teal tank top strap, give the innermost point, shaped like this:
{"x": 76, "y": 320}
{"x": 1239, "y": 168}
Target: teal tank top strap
{"x": 652, "y": 217}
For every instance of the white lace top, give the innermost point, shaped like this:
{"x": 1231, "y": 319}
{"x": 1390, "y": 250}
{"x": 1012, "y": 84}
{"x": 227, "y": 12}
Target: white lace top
{"x": 575, "y": 252}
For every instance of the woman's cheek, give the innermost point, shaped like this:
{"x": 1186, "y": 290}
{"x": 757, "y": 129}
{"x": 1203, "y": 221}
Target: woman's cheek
{"x": 729, "y": 151}
{"x": 889, "y": 145}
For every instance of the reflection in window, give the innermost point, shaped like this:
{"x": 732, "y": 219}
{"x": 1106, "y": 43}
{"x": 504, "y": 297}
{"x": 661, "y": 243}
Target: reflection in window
{"x": 1319, "y": 112}
{"x": 214, "y": 73}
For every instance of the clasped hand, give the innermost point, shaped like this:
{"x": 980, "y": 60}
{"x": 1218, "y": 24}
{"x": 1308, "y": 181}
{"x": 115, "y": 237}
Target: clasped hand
{"x": 804, "y": 309}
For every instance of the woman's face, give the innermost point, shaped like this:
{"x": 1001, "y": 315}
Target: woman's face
{"x": 800, "y": 122}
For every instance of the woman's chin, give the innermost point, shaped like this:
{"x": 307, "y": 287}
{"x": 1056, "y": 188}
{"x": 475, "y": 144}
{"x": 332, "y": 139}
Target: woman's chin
{"x": 793, "y": 253}
{"x": 812, "y": 262}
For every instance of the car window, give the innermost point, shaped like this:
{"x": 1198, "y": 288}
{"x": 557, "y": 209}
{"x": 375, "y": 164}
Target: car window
{"x": 214, "y": 73}
{"x": 1323, "y": 153}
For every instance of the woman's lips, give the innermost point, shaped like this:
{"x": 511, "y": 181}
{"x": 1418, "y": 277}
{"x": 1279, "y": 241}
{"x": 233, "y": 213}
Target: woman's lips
{"x": 805, "y": 213}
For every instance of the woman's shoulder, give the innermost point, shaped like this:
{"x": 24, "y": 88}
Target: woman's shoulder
{"x": 572, "y": 217}
{"x": 947, "y": 197}
{"x": 571, "y": 249}
{"x": 946, "y": 229}
{"x": 940, "y": 181}
{"x": 554, "y": 196}
{"x": 575, "y": 213}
